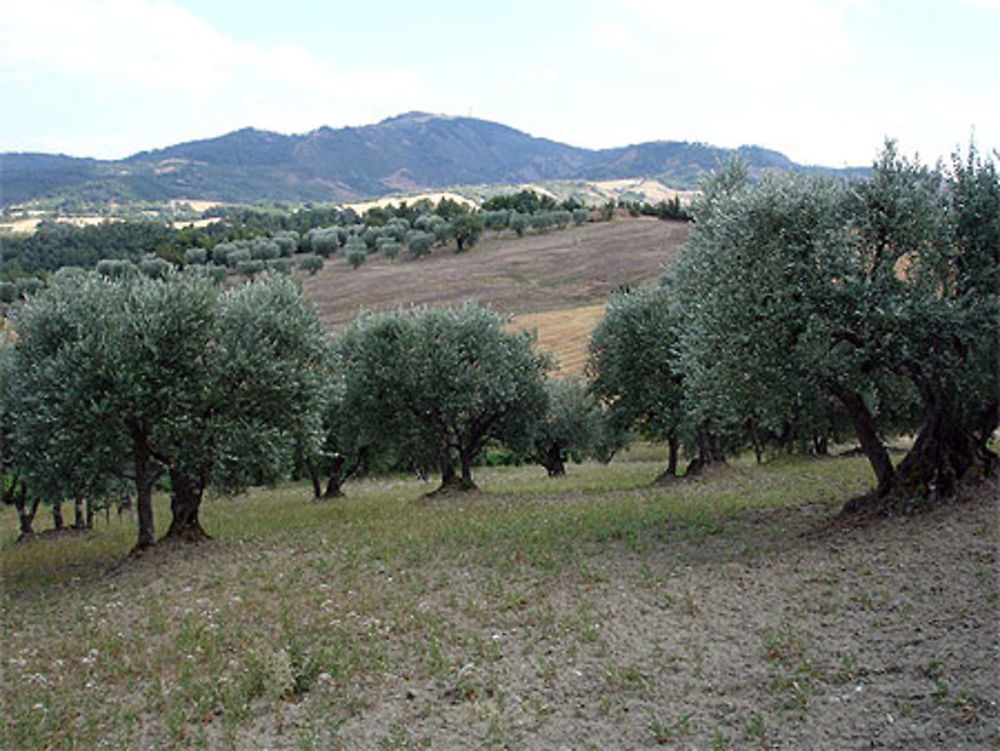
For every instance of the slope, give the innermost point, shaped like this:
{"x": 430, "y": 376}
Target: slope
{"x": 563, "y": 275}
{"x": 414, "y": 151}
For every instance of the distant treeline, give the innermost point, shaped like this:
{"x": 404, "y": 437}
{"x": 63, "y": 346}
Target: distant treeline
{"x": 55, "y": 245}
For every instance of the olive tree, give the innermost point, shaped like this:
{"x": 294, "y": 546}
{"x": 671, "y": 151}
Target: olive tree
{"x": 570, "y": 426}
{"x": 15, "y": 490}
{"x": 634, "y": 367}
{"x": 142, "y": 377}
{"x": 310, "y": 263}
{"x": 346, "y": 444}
{"x": 466, "y": 229}
{"x": 441, "y": 383}
{"x": 418, "y": 242}
{"x": 881, "y": 294}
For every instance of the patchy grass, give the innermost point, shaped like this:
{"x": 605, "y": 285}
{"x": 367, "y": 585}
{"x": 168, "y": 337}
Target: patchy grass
{"x": 587, "y": 609}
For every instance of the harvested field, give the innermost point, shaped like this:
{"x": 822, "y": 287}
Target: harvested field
{"x": 561, "y": 269}
{"x": 564, "y": 333}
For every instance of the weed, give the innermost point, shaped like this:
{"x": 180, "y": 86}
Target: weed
{"x": 662, "y": 734}
{"x": 935, "y": 672}
{"x": 721, "y": 741}
{"x": 756, "y": 730}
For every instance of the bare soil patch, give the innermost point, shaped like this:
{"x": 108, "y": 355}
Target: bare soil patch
{"x": 766, "y": 635}
{"x": 559, "y": 269}
{"x": 388, "y": 622}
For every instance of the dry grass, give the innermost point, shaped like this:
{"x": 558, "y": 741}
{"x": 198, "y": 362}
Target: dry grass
{"x": 29, "y": 225}
{"x": 411, "y": 198}
{"x": 593, "y": 609}
{"x": 565, "y": 334}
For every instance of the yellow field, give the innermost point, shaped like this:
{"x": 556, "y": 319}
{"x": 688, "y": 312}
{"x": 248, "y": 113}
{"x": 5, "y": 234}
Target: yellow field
{"x": 564, "y": 333}
{"x": 29, "y": 224}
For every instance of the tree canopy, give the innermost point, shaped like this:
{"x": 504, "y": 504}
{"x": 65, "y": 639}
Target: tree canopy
{"x": 440, "y": 383}
{"x": 881, "y": 294}
{"x": 139, "y": 377}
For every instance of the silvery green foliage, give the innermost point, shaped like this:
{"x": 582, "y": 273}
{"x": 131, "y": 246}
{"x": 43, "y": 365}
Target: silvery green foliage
{"x": 418, "y": 243}
{"x": 755, "y": 273}
{"x": 356, "y": 252}
{"x": 310, "y": 263}
{"x": 279, "y": 265}
{"x": 437, "y": 384}
{"x": 220, "y": 253}
{"x": 496, "y": 220}
{"x": 572, "y": 423}
{"x": 518, "y": 222}
{"x": 634, "y": 364}
{"x": 388, "y": 247}
{"x": 287, "y": 242}
{"x": 165, "y": 372}
{"x": 115, "y": 269}
{"x": 237, "y": 255}
{"x": 396, "y": 228}
{"x": 195, "y": 256}
{"x": 801, "y": 287}
{"x": 250, "y": 268}
{"x": 370, "y": 237}
{"x": 562, "y": 218}
{"x": 273, "y": 357}
{"x": 264, "y": 249}
{"x": 155, "y": 267}
{"x": 216, "y": 274}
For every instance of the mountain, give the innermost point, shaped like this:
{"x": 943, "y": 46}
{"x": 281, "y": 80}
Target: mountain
{"x": 410, "y": 152}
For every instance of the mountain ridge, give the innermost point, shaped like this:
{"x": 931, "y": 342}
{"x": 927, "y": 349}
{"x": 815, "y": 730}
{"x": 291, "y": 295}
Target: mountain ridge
{"x": 404, "y": 153}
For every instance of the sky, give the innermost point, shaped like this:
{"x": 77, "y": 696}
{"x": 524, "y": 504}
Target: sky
{"x": 823, "y": 81}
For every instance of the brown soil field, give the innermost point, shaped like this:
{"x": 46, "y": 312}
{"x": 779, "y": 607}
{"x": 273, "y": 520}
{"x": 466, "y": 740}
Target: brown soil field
{"x": 571, "y": 268}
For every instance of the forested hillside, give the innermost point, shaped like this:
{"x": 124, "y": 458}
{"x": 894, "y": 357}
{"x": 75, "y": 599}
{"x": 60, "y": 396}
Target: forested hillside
{"x": 410, "y": 152}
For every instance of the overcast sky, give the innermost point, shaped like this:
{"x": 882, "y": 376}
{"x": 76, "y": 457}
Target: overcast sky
{"x": 824, "y": 81}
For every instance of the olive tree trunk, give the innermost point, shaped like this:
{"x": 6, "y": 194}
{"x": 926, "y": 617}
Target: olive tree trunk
{"x": 185, "y": 504}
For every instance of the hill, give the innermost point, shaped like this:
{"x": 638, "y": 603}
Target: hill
{"x": 410, "y": 152}
{"x": 554, "y": 282}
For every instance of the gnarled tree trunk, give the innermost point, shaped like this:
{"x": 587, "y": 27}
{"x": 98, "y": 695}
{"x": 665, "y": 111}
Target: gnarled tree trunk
{"x": 185, "y": 504}
{"x": 871, "y": 444}
{"x": 145, "y": 478}
{"x": 944, "y": 455}
{"x": 670, "y": 473}
{"x": 335, "y": 479}
{"x": 552, "y": 460}
{"x": 450, "y": 479}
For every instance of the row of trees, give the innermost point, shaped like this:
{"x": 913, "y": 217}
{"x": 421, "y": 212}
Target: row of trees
{"x": 802, "y": 308}
{"x": 805, "y": 308}
{"x": 143, "y": 380}
{"x": 251, "y": 240}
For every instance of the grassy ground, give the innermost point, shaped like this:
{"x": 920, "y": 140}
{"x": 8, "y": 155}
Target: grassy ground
{"x": 591, "y": 611}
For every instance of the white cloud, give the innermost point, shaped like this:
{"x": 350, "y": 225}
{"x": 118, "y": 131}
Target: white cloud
{"x": 770, "y": 40}
{"x": 158, "y": 62}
